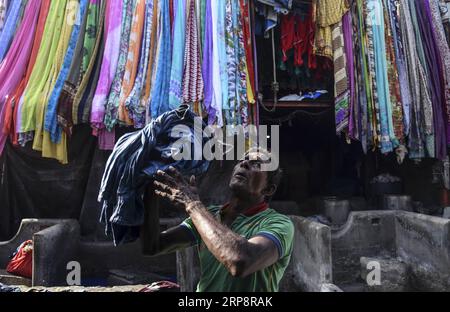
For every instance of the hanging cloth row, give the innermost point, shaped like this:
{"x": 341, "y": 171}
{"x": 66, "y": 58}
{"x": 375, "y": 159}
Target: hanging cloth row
{"x": 120, "y": 63}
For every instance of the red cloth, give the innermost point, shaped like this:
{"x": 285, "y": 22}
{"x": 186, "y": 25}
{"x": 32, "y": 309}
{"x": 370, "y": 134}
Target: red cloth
{"x": 251, "y": 211}
{"x": 22, "y": 263}
{"x": 248, "y": 42}
{"x": 298, "y": 33}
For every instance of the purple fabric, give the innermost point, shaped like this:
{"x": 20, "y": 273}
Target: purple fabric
{"x": 207, "y": 64}
{"x": 109, "y": 63}
{"x": 348, "y": 43}
{"x": 14, "y": 65}
{"x": 434, "y": 64}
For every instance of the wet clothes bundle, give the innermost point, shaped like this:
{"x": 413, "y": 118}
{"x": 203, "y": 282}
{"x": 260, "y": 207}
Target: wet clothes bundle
{"x": 135, "y": 160}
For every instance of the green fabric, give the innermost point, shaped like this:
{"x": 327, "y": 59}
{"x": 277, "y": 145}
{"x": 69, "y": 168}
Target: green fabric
{"x": 90, "y": 36}
{"x": 34, "y": 92}
{"x": 216, "y": 278}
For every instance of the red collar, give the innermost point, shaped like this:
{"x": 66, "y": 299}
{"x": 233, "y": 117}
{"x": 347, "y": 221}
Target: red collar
{"x": 251, "y": 211}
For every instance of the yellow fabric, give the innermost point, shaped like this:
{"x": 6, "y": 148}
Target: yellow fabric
{"x": 327, "y": 13}
{"x": 250, "y": 95}
{"x": 37, "y": 88}
{"x": 42, "y": 141}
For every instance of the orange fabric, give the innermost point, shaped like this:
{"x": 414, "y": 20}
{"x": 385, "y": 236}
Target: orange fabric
{"x": 13, "y": 102}
{"x": 148, "y": 79}
{"x": 131, "y": 66}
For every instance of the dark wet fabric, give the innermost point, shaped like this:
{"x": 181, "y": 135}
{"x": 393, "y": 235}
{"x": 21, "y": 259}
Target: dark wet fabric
{"x": 130, "y": 168}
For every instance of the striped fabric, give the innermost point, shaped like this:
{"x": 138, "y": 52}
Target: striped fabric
{"x": 192, "y": 76}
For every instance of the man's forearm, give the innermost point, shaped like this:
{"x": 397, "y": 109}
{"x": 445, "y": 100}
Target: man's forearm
{"x": 228, "y": 247}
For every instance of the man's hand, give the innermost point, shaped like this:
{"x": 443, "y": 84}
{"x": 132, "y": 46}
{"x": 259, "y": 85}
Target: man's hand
{"x": 172, "y": 186}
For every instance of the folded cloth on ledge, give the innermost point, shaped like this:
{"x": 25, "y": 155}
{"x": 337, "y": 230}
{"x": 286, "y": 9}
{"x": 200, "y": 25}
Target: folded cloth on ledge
{"x": 134, "y": 161}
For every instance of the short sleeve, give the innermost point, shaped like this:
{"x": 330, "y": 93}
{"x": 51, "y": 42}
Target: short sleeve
{"x": 280, "y": 230}
{"x": 189, "y": 225}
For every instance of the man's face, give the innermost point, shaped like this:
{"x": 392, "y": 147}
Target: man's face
{"x": 248, "y": 180}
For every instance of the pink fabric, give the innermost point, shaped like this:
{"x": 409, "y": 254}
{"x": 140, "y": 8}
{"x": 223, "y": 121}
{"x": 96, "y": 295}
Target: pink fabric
{"x": 14, "y": 65}
{"x": 109, "y": 63}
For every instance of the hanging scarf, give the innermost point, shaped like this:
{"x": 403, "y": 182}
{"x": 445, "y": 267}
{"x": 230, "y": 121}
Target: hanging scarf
{"x": 109, "y": 63}
{"x": 135, "y": 109}
{"x": 207, "y": 67}
{"x": 232, "y": 42}
{"x": 219, "y": 77}
{"x": 435, "y": 77}
{"x": 192, "y": 76}
{"x": 42, "y": 69}
{"x": 13, "y": 123}
{"x": 112, "y": 106}
{"x": 341, "y": 84}
{"x": 444, "y": 52}
{"x": 51, "y": 119}
{"x": 405, "y": 92}
{"x": 42, "y": 141}
{"x": 91, "y": 65}
{"x": 393, "y": 79}
{"x": 159, "y": 100}
{"x": 131, "y": 67}
{"x": 179, "y": 38}
{"x": 418, "y": 89}
{"x": 152, "y": 62}
{"x": 328, "y": 13}
{"x": 249, "y": 64}
{"x": 14, "y": 66}
{"x": 242, "y": 86}
{"x": 65, "y": 102}
{"x": 9, "y": 28}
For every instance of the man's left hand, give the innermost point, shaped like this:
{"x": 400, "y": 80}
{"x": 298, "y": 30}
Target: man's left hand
{"x": 172, "y": 186}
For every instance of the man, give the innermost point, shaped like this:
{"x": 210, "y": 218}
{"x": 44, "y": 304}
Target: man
{"x": 243, "y": 245}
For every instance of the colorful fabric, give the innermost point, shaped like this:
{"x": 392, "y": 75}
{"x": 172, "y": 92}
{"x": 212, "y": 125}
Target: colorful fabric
{"x": 328, "y": 13}
{"x": 35, "y": 90}
{"x": 112, "y": 106}
{"x": 159, "y": 102}
{"x": 393, "y": 78}
{"x": 341, "y": 84}
{"x": 13, "y": 110}
{"x": 65, "y": 101}
{"x": 178, "y": 49}
{"x": 192, "y": 75}
{"x": 444, "y": 53}
{"x": 153, "y": 60}
{"x": 207, "y": 67}
{"x": 42, "y": 141}
{"x": 9, "y": 28}
{"x": 14, "y": 66}
{"x": 93, "y": 59}
{"x": 135, "y": 108}
{"x": 109, "y": 63}
{"x": 51, "y": 119}
{"x": 219, "y": 74}
{"x": 131, "y": 67}
{"x": 435, "y": 77}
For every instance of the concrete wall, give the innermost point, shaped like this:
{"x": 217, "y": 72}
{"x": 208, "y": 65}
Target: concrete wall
{"x": 366, "y": 234}
{"x": 310, "y": 265}
{"x": 53, "y": 248}
{"x": 423, "y": 242}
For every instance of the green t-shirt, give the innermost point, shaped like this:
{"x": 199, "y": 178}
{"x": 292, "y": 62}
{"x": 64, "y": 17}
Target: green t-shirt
{"x": 269, "y": 223}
